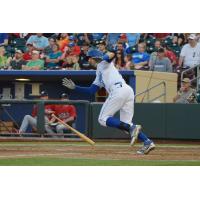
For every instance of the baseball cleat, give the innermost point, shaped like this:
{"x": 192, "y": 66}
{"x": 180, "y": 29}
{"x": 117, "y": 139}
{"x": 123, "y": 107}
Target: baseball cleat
{"x": 146, "y": 148}
{"x": 134, "y": 131}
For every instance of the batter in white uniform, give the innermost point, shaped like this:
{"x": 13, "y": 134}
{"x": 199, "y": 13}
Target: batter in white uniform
{"x": 121, "y": 98}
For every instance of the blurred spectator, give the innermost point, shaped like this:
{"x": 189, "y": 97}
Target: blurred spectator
{"x": 171, "y": 55}
{"x": 161, "y": 63}
{"x": 178, "y": 38}
{"x": 161, "y": 36}
{"x": 63, "y": 41}
{"x": 132, "y": 38}
{"x": 39, "y": 41}
{"x": 128, "y": 62}
{"x": 157, "y": 45}
{"x": 112, "y": 39}
{"x": 49, "y": 48}
{"x": 67, "y": 64}
{"x": 53, "y": 59}
{"x": 3, "y": 39}
{"x": 4, "y": 60}
{"x": 74, "y": 48}
{"x": 71, "y": 63}
{"x": 102, "y": 46}
{"x": 141, "y": 58}
{"x": 186, "y": 94}
{"x": 190, "y": 53}
{"x": 35, "y": 63}
{"x": 83, "y": 58}
{"x": 28, "y": 54}
{"x": 70, "y": 50}
{"x": 143, "y": 37}
{"x": 198, "y": 37}
{"x": 123, "y": 37}
{"x": 119, "y": 60}
{"x": 75, "y": 63}
{"x": 80, "y": 39}
{"x": 17, "y": 62}
{"x": 121, "y": 47}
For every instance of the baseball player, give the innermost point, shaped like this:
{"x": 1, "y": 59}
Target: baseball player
{"x": 32, "y": 119}
{"x": 121, "y": 98}
{"x": 67, "y": 113}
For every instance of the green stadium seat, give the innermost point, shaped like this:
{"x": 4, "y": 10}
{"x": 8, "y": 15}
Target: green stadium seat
{"x": 176, "y": 49}
{"x": 150, "y": 49}
{"x": 150, "y": 41}
{"x": 168, "y": 41}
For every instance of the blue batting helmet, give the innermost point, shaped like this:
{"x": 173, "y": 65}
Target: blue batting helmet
{"x": 72, "y": 37}
{"x": 71, "y": 44}
{"x": 93, "y": 53}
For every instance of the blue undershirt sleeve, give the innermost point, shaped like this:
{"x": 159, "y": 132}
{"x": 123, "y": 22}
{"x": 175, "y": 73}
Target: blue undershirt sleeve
{"x": 89, "y": 90}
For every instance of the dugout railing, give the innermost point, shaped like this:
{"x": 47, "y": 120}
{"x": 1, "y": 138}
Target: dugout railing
{"x": 41, "y": 115}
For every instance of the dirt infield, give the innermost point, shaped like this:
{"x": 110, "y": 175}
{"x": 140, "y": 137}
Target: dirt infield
{"x": 101, "y": 151}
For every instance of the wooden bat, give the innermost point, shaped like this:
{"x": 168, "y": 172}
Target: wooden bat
{"x": 82, "y": 136}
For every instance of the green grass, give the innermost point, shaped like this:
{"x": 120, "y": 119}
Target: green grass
{"x": 42, "y": 161}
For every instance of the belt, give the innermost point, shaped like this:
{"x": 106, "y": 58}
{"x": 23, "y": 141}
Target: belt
{"x": 115, "y": 85}
{"x": 118, "y": 83}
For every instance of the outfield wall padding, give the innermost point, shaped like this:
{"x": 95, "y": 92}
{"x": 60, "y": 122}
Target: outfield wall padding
{"x": 164, "y": 121}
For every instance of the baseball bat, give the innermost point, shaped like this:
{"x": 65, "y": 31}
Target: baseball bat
{"x": 82, "y": 136}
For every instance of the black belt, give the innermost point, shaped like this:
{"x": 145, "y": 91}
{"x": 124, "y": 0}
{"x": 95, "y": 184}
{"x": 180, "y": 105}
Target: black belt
{"x": 118, "y": 83}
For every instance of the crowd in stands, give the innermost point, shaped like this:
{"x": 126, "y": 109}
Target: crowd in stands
{"x": 165, "y": 52}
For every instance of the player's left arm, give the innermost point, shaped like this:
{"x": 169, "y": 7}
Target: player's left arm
{"x": 88, "y": 90}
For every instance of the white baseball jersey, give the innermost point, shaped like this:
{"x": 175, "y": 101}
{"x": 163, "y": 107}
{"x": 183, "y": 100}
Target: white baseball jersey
{"x": 107, "y": 75}
{"x": 121, "y": 95}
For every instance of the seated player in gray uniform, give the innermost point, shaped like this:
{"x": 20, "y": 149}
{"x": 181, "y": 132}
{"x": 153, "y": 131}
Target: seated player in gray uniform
{"x": 186, "y": 94}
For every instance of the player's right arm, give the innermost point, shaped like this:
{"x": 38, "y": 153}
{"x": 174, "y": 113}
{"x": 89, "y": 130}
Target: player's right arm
{"x": 108, "y": 57}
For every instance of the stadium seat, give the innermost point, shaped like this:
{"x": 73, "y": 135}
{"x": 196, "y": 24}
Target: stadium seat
{"x": 175, "y": 48}
{"x": 150, "y": 49}
{"x": 168, "y": 41}
{"x": 150, "y": 41}
{"x": 17, "y": 43}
